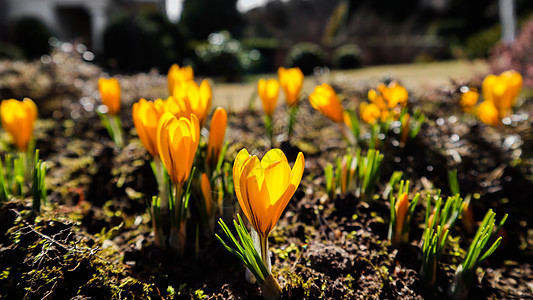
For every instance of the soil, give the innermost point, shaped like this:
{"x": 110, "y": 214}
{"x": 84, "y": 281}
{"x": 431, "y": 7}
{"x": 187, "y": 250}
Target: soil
{"x": 93, "y": 238}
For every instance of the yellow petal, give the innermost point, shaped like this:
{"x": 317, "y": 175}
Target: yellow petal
{"x": 295, "y": 178}
{"x": 273, "y": 156}
{"x": 145, "y": 118}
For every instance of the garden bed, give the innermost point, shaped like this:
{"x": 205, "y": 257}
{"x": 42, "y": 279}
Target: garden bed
{"x": 93, "y": 239}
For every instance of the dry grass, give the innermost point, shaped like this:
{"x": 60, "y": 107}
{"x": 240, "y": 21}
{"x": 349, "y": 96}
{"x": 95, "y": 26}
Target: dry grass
{"x": 416, "y": 77}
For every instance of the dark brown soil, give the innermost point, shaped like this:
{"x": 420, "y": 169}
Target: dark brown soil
{"x": 93, "y": 239}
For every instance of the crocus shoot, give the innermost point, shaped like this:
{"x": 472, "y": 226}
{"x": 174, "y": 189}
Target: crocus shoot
{"x": 478, "y": 251}
{"x": 435, "y": 237}
{"x": 401, "y": 212}
{"x": 110, "y": 95}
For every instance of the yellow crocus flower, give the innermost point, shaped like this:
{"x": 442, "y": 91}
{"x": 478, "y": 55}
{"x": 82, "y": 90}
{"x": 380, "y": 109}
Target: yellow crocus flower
{"x": 216, "y": 135}
{"x": 369, "y": 112}
{"x": 291, "y": 81}
{"x": 488, "y": 113}
{"x": 18, "y": 118}
{"x": 325, "y": 100}
{"x": 264, "y": 187}
{"x": 146, "y": 116}
{"x": 177, "y": 142}
{"x": 110, "y": 93}
{"x": 199, "y": 99}
{"x": 502, "y": 90}
{"x": 178, "y": 76}
{"x": 469, "y": 99}
{"x": 268, "y": 91}
{"x": 395, "y": 94}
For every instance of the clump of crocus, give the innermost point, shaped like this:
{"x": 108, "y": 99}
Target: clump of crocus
{"x": 356, "y": 174}
{"x": 387, "y": 110}
{"x": 178, "y": 76}
{"x": 263, "y": 188}
{"x": 500, "y": 93}
{"x": 110, "y": 94}
{"x": 477, "y": 253}
{"x": 388, "y": 99}
{"x": 177, "y": 142}
{"x": 435, "y": 237}
{"x": 291, "y": 81}
{"x": 401, "y": 212}
{"x": 18, "y": 118}
{"x": 268, "y": 90}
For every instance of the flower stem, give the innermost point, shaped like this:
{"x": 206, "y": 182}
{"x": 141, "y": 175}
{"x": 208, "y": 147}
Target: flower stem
{"x": 116, "y": 127}
{"x": 161, "y": 182}
{"x": 270, "y": 288}
{"x": 269, "y": 129}
{"x": 265, "y": 255}
{"x": 292, "y": 120}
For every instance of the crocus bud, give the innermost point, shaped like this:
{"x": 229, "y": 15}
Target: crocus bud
{"x": 110, "y": 93}
{"x": 291, "y": 81}
{"x": 216, "y": 136}
{"x": 268, "y": 91}
{"x": 18, "y": 118}
{"x": 401, "y": 207}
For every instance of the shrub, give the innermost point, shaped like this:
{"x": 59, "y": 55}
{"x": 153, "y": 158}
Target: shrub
{"x": 479, "y": 44}
{"x": 517, "y": 56}
{"x": 225, "y": 57}
{"x": 347, "y": 57}
{"x": 141, "y": 42}
{"x": 306, "y": 56}
{"x": 32, "y": 36}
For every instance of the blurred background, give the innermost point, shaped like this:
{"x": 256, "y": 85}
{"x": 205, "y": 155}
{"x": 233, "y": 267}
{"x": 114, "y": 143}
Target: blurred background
{"x": 227, "y": 39}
